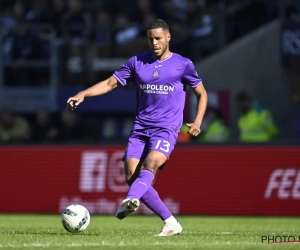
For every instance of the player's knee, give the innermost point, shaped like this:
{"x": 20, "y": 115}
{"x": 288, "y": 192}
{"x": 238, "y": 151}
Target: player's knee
{"x": 154, "y": 161}
{"x": 151, "y": 165}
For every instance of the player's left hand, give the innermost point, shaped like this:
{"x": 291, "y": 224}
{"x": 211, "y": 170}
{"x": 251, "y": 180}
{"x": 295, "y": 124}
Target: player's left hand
{"x": 194, "y": 128}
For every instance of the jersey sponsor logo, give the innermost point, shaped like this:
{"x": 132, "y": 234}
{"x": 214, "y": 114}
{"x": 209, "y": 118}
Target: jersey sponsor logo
{"x": 156, "y": 89}
{"x": 284, "y": 184}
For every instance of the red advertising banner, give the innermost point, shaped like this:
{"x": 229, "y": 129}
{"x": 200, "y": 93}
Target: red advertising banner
{"x": 231, "y": 180}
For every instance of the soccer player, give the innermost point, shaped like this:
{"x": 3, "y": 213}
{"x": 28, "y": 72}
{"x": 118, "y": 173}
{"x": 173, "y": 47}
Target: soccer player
{"x": 161, "y": 78}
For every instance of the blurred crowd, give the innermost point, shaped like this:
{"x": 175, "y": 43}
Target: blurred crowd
{"x": 118, "y": 22}
{"x": 109, "y": 21}
{"x": 100, "y": 22}
{"x": 255, "y": 125}
{"x": 67, "y": 127}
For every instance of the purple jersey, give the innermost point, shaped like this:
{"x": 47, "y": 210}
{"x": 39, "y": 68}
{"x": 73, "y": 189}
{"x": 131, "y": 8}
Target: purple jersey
{"x": 160, "y": 87}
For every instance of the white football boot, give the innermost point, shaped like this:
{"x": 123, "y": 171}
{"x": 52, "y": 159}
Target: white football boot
{"x": 170, "y": 230}
{"x": 128, "y": 206}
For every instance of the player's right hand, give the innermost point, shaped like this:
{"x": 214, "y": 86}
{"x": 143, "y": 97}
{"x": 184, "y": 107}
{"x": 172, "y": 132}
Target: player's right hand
{"x": 74, "y": 101}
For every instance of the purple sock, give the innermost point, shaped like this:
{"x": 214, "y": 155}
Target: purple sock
{"x": 152, "y": 200}
{"x": 140, "y": 186}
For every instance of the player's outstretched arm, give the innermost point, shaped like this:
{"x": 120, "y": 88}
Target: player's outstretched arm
{"x": 201, "y": 108}
{"x": 97, "y": 89}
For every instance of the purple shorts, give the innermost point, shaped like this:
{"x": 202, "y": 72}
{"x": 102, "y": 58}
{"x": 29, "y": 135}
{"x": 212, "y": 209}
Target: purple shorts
{"x": 142, "y": 141}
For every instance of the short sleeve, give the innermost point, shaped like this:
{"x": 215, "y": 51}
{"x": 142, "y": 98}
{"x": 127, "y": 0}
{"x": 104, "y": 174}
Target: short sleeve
{"x": 124, "y": 73}
{"x": 190, "y": 76}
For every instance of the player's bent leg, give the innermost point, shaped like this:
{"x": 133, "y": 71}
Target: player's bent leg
{"x": 163, "y": 141}
{"x": 171, "y": 225}
{"x": 151, "y": 199}
{"x": 149, "y": 167}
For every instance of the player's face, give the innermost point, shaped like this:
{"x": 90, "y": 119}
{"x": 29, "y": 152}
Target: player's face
{"x": 159, "y": 41}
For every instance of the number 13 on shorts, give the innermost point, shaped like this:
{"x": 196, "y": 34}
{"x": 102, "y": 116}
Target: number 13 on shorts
{"x": 163, "y": 145}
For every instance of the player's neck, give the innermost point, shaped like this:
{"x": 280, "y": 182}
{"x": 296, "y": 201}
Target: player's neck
{"x": 164, "y": 55}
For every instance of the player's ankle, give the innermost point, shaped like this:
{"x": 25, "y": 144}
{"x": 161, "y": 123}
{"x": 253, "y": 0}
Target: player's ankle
{"x": 171, "y": 220}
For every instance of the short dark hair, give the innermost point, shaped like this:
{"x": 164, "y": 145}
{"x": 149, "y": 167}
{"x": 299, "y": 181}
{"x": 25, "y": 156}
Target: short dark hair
{"x": 159, "y": 23}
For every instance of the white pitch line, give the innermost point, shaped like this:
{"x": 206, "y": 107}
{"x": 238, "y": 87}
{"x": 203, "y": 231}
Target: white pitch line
{"x": 121, "y": 244}
{"x": 196, "y": 232}
{"x": 103, "y": 243}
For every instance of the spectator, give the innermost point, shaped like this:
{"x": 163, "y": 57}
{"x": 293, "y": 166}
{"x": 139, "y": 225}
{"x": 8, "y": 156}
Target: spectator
{"x": 192, "y": 11}
{"x": 179, "y": 8}
{"x": 293, "y": 10}
{"x": 12, "y": 14}
{"x": 125, "y": 30}
{"x": 58, "y": 11}
{"x": 177, "y": 27}
{"x": 120, "y": 6}
{"x": 6, "y": 18}
{"x": 13, "y": 129}
{"x": 76, "y": 23}
{"x": 39, "y": 13}
{"x": 171, "y": 10}
{"x": 216, "y": 130}
{"x": 256, "y": 123}
{"x": 71, "y": 128}
{"x": 22, "y": 44}
{"x": 103, "y": 28}
{"x": 186, "y": 10}
{"x": 19, "y": 12}
{"x": 206, "y": 27}
{"x": 44, "y": 129}
{"x": 143, "y": 8}
{"x": 147, "y": 20}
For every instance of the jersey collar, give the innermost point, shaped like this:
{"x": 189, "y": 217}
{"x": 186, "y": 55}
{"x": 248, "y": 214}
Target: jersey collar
{"x": 171, "y": 53}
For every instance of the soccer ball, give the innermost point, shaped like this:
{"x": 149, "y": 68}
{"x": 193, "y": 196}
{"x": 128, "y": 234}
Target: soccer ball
{"x": 75, "y": 218}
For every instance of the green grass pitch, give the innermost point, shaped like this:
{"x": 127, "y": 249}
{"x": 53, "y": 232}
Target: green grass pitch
{"x": 137, "y": 232}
